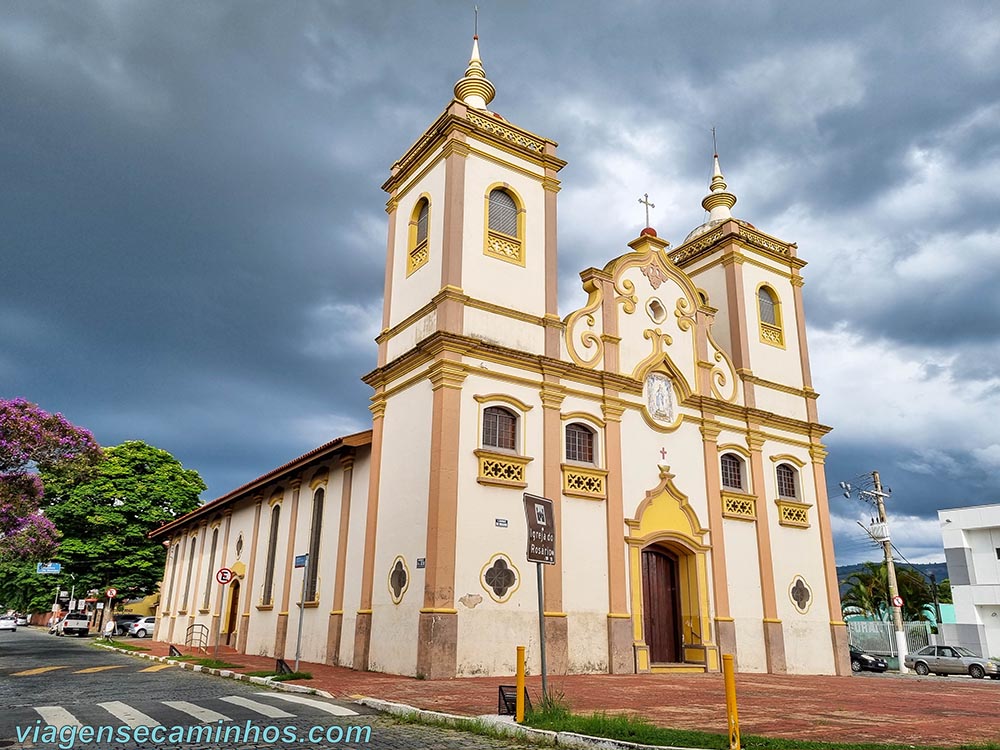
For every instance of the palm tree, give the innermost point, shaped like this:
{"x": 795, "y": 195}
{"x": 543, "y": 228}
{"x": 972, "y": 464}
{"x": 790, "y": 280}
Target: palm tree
{"x": 868, "y": 593}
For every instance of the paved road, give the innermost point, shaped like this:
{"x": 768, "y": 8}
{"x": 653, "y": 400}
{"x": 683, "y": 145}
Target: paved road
{"x": 49, "y": 683}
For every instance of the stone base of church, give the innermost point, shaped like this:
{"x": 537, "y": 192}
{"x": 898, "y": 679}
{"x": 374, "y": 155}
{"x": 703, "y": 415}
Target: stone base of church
{"x": 841, "y": 651}
{"x": 774, "y": 646}
{"x": 333, "y": 636}
{"x": 362, "y": 640}
{"x": 621, "y": 659}
{"x": 725, "y": 637}
{"x": 556, "y": 645}
{"x": 437, "y": 649}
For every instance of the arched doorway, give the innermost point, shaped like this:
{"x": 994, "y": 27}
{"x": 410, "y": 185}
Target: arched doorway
{"x": 668, "y": 583}
{"x": 661, "y": 605}
{"x": 233, "y": 613}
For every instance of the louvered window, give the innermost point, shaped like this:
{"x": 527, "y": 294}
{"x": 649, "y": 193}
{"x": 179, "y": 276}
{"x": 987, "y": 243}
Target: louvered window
{"x": 503, "y": 213}
{"x": 766, "y": 302}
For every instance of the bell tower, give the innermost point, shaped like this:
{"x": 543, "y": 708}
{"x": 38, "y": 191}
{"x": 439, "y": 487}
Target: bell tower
{"x": 472, "y": 230}
{"x": 470, "y": 268}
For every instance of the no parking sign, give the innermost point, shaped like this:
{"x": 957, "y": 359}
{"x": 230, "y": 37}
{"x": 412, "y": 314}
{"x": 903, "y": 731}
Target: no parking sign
{"x": 224, "y": 575}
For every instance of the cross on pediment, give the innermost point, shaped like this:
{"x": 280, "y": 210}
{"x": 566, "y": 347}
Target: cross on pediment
{"x": 645, "y": 201}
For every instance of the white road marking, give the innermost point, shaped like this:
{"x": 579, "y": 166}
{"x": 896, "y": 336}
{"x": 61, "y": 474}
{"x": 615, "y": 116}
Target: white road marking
{"x": 57, "y": 716}
{"x": 330, "y": 708}
{"x": 260, "y": 708}
{"x": 204, "y": 715}
{"x": 128, "y": 715}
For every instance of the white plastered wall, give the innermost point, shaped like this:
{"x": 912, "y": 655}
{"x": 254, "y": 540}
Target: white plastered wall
{"x": 777, "y": 364}
{"x": 745, "y": 600}
{"x": 489, "y": 631}
{"x": 491, "y": 279}
{"x": 355, "y": 553}
{"x": 410, "y": 293}
{"x": 402, "y": 527}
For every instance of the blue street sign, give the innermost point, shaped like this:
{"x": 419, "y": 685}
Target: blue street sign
{"x": 300, "y": 561}
{"x": 45, "y": 568}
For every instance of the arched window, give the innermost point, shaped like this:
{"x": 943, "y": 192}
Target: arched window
{"x": 579, "y": 443}
{"x": 787, "y": 481}
{"x": 210, "y": 573}
{"x": 769, "y": 313}
{"x": 732, "y": 472}
{"x": 418, "y": 250}
{"x": 190, "y": 572}
{"x": 314, "y": 535}
{"x": 499, "y": 428}
{"x": 267, "y": 596}
{"x": 505, "y": 227}
{"x": 174, "y": 555}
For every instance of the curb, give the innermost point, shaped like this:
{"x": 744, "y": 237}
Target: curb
{"x": 498, "y": 724}
{"x": 224, "y": 673}
{"x": 495, "y": 723}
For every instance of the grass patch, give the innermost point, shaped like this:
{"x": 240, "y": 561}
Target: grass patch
{"x": 205, "y": 662}
{"x": 553, "y": 714}
{"x": 123, "y": 646}
{"x": 278, "y": 677}
{"x": 293, "y": 676}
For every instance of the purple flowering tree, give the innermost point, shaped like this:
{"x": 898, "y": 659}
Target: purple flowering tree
{"x": 32, "y": 440}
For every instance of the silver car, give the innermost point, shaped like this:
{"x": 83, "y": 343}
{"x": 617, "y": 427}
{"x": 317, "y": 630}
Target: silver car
{"x": 142, "y": 628}
{"x": 7, "y": 622}
{"x": 945, "y": 660}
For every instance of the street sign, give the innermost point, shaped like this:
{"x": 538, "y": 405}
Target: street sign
{"x": 897, "y": 601}
{"x": 48, "y": 568}
{"x": 224, "y": 575}
{"x": 111, "y": 593}
{"x": 300, "y": 561}
{"x": 541, "y": 529}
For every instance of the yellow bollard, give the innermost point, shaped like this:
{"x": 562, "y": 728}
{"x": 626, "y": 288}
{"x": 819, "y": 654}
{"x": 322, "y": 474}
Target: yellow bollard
{"x": 519, "y": 710}
{"x": 731, "y": 712}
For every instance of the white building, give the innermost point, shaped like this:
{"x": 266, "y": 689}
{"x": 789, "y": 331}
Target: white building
{"x": 972, "y": 550}
{"x": 671, "y": 419}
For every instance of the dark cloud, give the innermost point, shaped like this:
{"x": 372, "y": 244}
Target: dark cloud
{"x": 194, "y": 235}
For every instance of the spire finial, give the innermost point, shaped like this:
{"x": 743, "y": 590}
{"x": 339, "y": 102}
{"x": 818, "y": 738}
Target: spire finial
{"x": 475, "y": 88}
{"x": 718, "y": 202}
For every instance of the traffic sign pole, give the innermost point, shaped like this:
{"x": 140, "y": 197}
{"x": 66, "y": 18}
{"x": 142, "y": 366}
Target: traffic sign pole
{"x": 541, "y": 630}
{"x": 541, "y": 520}
{"x": 223, "y": 576}
{"x": 302, "y": 603}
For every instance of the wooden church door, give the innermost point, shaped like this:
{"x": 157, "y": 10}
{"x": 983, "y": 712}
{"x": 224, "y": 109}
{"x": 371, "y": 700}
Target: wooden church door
{"x": 661, "y": 606}
{"x": 234, "y": 610}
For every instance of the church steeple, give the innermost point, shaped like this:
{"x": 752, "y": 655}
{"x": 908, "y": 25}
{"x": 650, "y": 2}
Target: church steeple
{"x": 718, "y": 202}
{"x": 475, "y": 89}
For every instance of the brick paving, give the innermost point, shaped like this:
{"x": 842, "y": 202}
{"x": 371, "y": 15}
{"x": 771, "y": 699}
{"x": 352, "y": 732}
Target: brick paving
{"x": 856, "y": 708}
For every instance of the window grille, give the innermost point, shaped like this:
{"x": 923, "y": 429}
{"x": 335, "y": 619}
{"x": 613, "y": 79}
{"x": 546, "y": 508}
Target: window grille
{"x": 579, "y": 443}
{"x": 732, "y": 472}
{"x": 766, "y": 302}
{"x": 503, "y": 213}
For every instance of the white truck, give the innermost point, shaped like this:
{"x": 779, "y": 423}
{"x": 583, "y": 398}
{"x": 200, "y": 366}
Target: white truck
{"x": 75, "y": 623}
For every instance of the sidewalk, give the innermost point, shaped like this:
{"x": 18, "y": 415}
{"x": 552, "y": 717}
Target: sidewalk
{"x": 862, "y": 708}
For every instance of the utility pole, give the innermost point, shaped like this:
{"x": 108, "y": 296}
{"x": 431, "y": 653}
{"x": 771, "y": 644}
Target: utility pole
{"x": 890, "y": 567}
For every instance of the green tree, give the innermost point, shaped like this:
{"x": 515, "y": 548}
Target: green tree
{"x": 867, "y": 593}
{"x": 105, "y": 516}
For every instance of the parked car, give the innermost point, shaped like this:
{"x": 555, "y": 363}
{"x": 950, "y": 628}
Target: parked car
{"x": 75, "y": 623}
{"x": 7, "y": 622}
{"x": 21, "y": 620}
{"x": 860, "y": 661}
{"x": 123, "y": 622}
{"x": 945, "y": 660}
{"x": 142, "y": 628}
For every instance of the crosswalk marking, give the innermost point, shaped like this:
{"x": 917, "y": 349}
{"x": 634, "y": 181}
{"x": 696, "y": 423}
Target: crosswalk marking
{"x": 128, "y": 715}
{"x": 38, "y": 670}
{"x": 57, "y": 716}
{"x": 260, "y": 708}
{"x": 330, "y": 708}
{"x": 157, "y": 667}
{"x": 91, "y": 670}
{"x": 204, "y": 715}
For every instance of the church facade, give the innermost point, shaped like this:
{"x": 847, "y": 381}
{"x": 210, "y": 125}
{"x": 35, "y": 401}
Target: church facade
{"x": 671, "y": 420}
